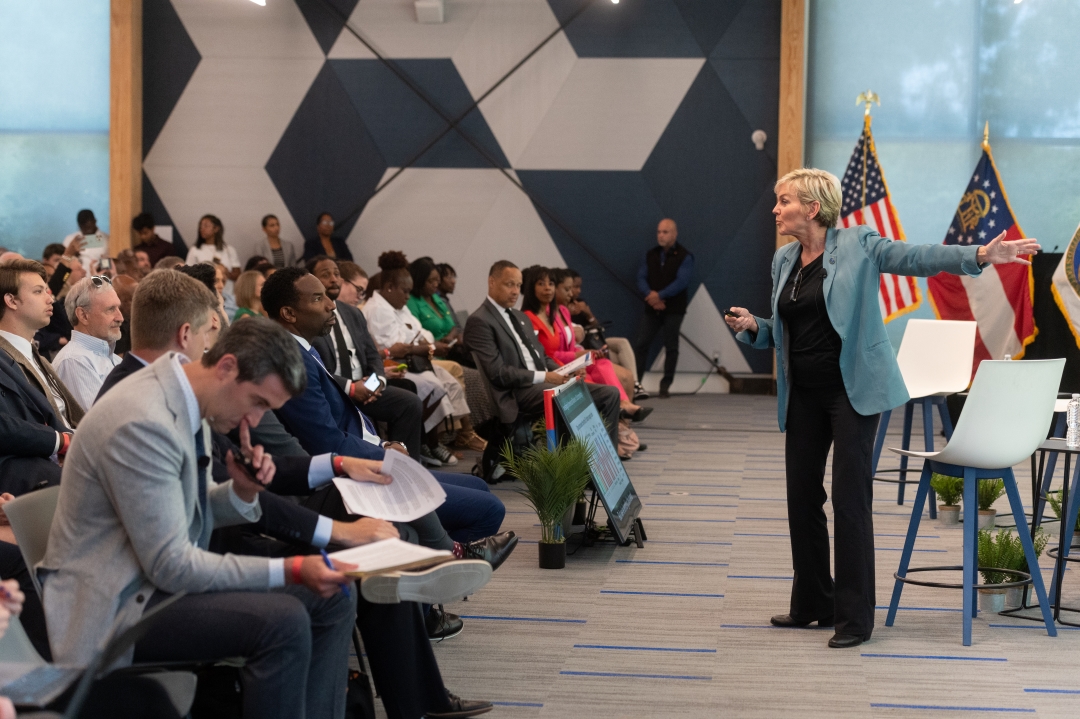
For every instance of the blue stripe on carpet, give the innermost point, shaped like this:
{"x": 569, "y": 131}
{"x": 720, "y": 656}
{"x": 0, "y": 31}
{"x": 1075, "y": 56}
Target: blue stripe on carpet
{"x": 637, "y": 676}
{"x": 517, "y": 704}
{"x": 941, "y": 657}
{"x": 656, "y": 561}
{"x": 668, "y": 541}
{"x": 946, "y": 708}
{"x": 920, "y": 609}
{"x": 644, "y": 649}
{"x": 1052, "y": 691}
{"x": 758, "y": 576}
{"x": 661, "y": 594}
{"x": 490, "y": 617}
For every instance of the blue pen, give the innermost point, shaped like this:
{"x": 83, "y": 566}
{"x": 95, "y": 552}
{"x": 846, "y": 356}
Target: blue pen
{"x": 326, "y": 558}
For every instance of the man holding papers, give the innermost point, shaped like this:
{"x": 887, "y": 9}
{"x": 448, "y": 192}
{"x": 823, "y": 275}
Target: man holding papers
{"x": 502, "y": 341}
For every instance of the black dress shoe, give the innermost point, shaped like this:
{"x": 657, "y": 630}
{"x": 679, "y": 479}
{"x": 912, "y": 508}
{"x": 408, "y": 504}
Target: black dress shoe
{"x": 786, "y": 620}
{"x": 642, "y": 447}
{"x": 460, "y": 708}
{"x": 635, "y": 417}
{"x": 665, "y": 390}
{"x": 494, "y": 549}
{"x": 847, "y": 641}
{"x": 441, "y": 624}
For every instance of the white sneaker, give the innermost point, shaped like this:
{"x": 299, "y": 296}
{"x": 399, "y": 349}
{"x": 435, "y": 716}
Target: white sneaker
{"x": 444, "y": 455}
{"x": 427, "y": 458}
{"x": 445, "y": 583}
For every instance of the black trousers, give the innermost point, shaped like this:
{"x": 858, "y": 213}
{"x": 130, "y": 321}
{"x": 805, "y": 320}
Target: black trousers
{"x": 400, "y": 655}
{"x": 295, "y": 643}
{"x": 816, "y": 420}
{"x": 19, "y": 475}
{"x": 652, "y": 323}
{"x": 403, "y": 413}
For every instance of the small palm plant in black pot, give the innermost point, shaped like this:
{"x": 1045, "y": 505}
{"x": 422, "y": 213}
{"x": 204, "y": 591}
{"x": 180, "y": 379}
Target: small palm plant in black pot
{"x": 553, "y": 479}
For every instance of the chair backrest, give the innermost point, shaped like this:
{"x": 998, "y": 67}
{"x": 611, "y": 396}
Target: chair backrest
{"x": 936, "y": 356}
{"x": 1007, "y": 414}
{"x": 31, "y": 518}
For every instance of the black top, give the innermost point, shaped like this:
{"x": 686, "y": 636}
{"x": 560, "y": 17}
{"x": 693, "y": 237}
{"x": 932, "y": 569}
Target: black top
{"x": 661, "y": 274}
{"x": 814, "y": 346}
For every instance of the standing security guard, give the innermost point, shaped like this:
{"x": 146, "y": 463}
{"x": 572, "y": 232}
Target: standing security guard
{"x": 662, "y": 281}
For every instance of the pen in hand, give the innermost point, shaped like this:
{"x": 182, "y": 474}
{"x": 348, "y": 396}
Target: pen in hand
{"x": 326, "y": 558}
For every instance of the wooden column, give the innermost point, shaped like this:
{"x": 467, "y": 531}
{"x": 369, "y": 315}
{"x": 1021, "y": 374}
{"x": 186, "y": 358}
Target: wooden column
{"x": 793, "y": 21}
{"x": 125, "y": 121}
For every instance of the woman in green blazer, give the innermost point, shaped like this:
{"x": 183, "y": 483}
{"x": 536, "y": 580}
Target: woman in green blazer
{"x": 835, "y": 373}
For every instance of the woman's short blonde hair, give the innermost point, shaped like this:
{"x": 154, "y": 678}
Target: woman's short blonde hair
{"x": 813, "y": 185}
{"x": 245, "y": 289}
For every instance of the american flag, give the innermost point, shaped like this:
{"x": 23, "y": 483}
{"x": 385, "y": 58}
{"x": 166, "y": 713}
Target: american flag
{"x": 999, "y": 300}
{"x": 866, "y": 202}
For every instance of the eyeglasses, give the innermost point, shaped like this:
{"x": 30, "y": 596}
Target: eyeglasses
{"x": 360, "y": 291}
{"x": 795, "y": 286}
{"x": 329, "y": 223}
{"x": 100, "y": 280}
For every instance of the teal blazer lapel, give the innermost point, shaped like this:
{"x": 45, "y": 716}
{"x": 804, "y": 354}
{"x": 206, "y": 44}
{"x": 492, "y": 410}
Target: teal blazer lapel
{"x": 786, "y": 266}
{"x": 828, "y": 262}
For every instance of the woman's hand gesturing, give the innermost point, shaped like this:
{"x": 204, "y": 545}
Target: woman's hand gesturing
{"x": 1000, "y": 251}
{"x": 742, "y": 320}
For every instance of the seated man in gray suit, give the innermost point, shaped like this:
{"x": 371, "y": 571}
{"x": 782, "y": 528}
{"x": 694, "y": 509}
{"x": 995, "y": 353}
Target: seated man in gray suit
{"x": 134, "y": 518}
{"x": 506, "y": 349}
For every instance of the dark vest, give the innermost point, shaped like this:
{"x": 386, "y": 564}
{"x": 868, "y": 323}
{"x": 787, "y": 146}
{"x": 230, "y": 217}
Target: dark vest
{"x": 662, "y": 275}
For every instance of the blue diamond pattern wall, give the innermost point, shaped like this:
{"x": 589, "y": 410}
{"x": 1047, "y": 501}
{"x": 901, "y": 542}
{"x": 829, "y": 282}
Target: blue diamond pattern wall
{"x": 565, "y": 154}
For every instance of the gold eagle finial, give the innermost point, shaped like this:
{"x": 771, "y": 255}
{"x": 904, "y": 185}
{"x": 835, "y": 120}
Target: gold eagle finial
{"x": 869, "y": 97}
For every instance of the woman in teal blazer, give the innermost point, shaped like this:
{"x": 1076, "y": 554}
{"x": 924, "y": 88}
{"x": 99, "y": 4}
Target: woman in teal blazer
{"x": 835, "y": 373}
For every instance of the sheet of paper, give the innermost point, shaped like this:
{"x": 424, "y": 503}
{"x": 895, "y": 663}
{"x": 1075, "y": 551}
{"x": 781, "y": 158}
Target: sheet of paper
{"x": 385, "y": 554}
{"x": 580, "y": 363}
{"x": 413, "y": 493}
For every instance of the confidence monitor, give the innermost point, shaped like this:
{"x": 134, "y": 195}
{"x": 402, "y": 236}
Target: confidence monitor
{"x": 609, "y": 478}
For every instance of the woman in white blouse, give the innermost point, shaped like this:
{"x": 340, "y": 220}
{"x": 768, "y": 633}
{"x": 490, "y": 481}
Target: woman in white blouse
{"x": 210, "y": 247}
{"x": 396, "y": 329}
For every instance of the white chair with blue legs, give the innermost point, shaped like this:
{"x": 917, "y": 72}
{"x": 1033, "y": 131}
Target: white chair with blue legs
{"x": 935, "y": 361}
{"x": 1006, "y": 417}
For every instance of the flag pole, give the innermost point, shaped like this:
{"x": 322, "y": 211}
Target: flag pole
{"x": 869, "y": 97}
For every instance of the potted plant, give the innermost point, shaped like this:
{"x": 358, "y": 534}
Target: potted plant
{"x": 990, "y": 490}
{"x": 949, "y": 490}
{"x": 996, "y": 552}
{"x": 1015, "y": 595}
{"x": 1054, "y": 500}
{"x": 553, "y": 479}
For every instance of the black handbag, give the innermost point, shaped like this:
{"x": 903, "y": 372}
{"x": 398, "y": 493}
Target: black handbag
{"x": 418, "y": 364}
{"x": 594, "y": 339}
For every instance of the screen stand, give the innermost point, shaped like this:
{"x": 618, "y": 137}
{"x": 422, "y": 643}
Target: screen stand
{"x": 593, "y": 533}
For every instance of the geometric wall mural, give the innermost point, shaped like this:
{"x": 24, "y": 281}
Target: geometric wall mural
{"x": 627, "y": 114}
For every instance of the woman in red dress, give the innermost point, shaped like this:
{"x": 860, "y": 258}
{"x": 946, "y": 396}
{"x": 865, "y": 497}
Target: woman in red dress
{"x": 554, "y": 330}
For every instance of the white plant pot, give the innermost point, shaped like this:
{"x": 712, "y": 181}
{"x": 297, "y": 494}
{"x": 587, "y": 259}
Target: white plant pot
{"x": 991, "y": 600}
{"x": 986, "y": 518}
{"x": 1014, "y": 596}
{"x": 948, "y": 514}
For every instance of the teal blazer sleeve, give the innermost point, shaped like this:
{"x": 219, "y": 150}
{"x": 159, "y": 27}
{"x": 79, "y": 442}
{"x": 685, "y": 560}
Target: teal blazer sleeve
{"x": 854, "y": 260}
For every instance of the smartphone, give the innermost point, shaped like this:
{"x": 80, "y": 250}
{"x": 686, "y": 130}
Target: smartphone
{"x": 372, "y": 383}
{"x": 451, "y": 343}
{"x": 105, "y": 263}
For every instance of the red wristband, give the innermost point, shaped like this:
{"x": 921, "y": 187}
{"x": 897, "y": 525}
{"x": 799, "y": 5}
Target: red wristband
{"x": 338, "y": 463}
{"x": 297, "y": 562}
{"x": 65, "y": 442}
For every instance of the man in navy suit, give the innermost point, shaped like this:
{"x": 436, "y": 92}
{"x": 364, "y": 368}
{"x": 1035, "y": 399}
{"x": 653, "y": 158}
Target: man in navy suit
{"x": 324, "y": 419}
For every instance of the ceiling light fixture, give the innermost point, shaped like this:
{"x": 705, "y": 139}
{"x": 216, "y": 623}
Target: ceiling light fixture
{"x": 260, "y": 3}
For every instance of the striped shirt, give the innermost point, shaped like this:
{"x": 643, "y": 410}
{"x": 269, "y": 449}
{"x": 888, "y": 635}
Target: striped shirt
{"x": 83, "y": 364}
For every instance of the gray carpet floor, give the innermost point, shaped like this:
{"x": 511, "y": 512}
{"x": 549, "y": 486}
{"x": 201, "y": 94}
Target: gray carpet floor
{"x": 681, "y": 627}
